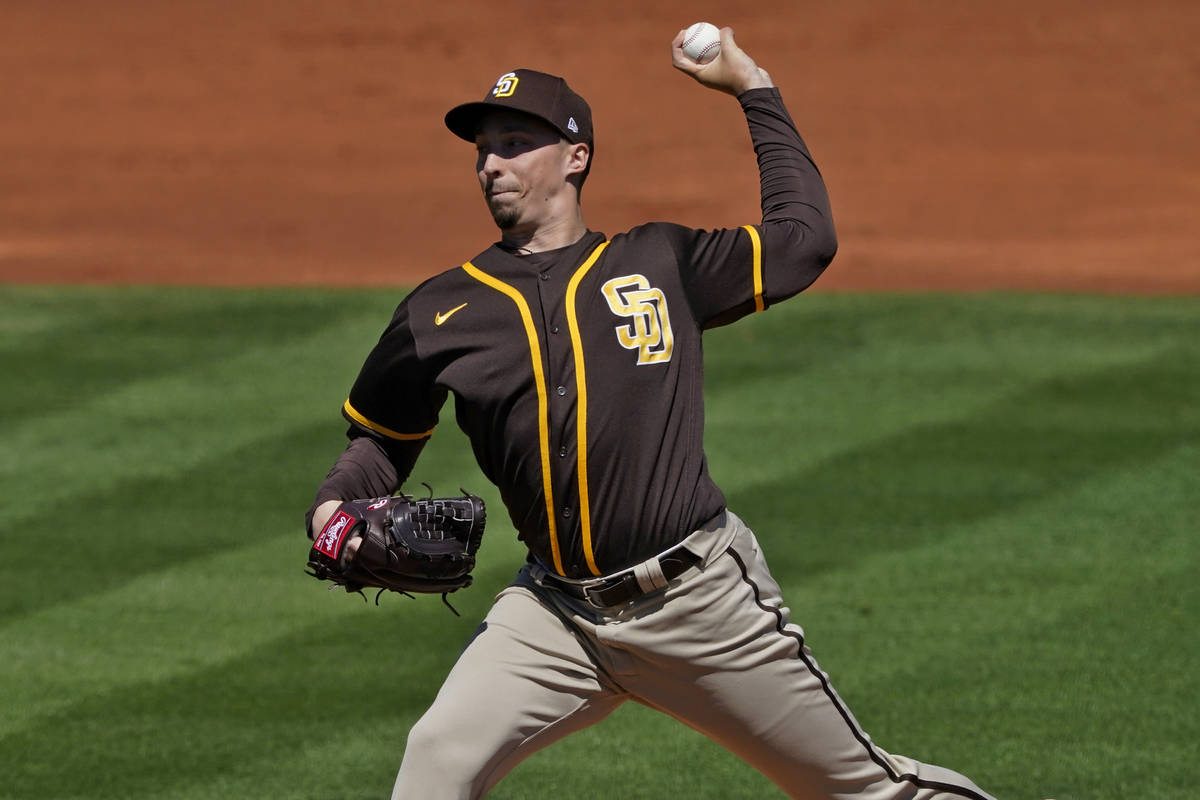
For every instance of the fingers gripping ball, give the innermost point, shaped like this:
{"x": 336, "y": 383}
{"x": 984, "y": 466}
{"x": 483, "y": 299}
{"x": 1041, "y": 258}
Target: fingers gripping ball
{"x": 405, "y": 545}
{"x": 702, "y": 42}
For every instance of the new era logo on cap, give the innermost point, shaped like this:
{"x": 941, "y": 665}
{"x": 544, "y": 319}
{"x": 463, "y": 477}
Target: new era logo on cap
{"x": 572, "y": 125}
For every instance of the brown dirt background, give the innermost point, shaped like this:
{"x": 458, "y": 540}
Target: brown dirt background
{"x": 1047, "y": 144}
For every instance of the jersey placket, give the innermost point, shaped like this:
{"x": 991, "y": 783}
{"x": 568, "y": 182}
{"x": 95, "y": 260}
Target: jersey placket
{"x": 546, "y": 303}
{"x": 566, "y": 372}
{"x": 560, "y": 380}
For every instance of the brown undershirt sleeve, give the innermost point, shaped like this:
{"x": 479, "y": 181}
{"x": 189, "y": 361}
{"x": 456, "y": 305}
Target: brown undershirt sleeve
{"x": 366, "y": 468}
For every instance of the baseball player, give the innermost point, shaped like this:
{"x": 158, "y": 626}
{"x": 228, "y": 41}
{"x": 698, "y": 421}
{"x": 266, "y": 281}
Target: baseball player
{"x": 575, "y": 362}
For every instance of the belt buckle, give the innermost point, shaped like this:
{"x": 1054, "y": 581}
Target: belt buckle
{"x": 587, "y": 596}
{"x": 592, "y": 600}
{"x": 617, "y": 581}
{"x": 544, "y": 577}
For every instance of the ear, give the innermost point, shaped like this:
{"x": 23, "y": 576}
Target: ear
{"x": 578, "y": 156}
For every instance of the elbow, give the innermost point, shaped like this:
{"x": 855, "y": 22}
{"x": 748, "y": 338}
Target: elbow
{"x": 810, "y": 245}
{"x": 824, "y": 245}
{"x": 818, "y": 238}
{"x": 798, "y": 253}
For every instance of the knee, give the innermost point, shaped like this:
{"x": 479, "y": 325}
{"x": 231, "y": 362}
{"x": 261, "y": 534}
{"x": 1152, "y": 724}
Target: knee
{"x": 436, "y": 763}
{"x": 429, "y": 740}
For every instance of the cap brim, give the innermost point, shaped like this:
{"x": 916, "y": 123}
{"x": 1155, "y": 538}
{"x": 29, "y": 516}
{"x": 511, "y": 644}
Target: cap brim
{"x": 464, "y": 120}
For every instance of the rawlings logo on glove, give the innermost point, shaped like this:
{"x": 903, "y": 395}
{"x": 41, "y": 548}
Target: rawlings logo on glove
{"x": 400, "y": 544}
{"x": 329, "y": 543}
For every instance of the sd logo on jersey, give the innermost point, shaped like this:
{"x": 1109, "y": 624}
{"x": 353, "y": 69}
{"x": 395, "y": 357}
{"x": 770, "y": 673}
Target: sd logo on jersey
{"x": 649, "y": 328}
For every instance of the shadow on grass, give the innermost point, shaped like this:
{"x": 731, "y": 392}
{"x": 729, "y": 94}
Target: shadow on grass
{"x": 140, "y": 526}
{"x": 917, "y": 486}
{"x": 104, "y": 339}
{"x": 237, "y": 722}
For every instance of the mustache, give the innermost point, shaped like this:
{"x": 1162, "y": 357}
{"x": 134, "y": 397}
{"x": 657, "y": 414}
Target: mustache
{"x": 490, "y": 187}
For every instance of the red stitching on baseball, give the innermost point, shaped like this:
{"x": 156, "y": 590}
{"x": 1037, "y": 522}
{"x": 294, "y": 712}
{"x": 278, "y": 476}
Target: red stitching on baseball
{"x": 702, "y": 53}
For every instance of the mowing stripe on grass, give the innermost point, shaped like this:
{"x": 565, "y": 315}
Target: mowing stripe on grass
{"x": 982, "y": 510}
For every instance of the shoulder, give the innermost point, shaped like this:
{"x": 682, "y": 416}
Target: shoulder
{"x": 653, "y": 230}
{"x": 448, "y": 279}
{"x": 654, "y": 251}
{"x": 436, "y": 289}
{"x": 429, "y": 293}
{"x": 653, "y": 235}
{"x": 679, "y": 242}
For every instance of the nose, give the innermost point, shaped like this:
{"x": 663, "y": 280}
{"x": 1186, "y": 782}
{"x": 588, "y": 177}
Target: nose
{"x": 490, "y": 164}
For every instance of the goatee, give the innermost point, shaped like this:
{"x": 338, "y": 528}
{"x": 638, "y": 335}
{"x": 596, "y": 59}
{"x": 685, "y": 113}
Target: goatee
{"x": 505, "y": 216}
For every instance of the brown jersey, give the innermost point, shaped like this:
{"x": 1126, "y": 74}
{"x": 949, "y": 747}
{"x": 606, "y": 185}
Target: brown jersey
{"x": 577, "y": 373}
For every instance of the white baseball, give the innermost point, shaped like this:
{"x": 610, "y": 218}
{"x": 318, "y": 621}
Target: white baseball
{"x": 702, "y": 42}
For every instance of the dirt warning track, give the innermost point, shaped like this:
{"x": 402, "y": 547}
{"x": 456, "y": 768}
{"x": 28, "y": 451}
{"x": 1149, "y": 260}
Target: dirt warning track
{"x": 966, "y": 145}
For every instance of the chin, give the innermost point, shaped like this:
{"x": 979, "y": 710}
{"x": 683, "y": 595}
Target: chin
{"x": 505, "y": 217}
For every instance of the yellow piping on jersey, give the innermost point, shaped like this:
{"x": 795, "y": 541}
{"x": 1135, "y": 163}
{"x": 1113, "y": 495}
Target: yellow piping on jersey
{"x": 756, "y": 243}
{"x": 535, "y": 355}
{"x": 585, "y": 514}
{"x": 352, "y": 412}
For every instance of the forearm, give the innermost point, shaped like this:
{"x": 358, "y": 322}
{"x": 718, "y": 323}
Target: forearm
{"x": 798, "y": 232}
{"x": 364, "y": 469}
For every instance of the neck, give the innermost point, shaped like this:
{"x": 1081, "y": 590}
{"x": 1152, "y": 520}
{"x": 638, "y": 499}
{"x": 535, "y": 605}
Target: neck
{"x": 547, "y": 236}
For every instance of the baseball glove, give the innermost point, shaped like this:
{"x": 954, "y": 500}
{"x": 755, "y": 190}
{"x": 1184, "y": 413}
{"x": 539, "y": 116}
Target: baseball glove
{"x": 404, "y": 544}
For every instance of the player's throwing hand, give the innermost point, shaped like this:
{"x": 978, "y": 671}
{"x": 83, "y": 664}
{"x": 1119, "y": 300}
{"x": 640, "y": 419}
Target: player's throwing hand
{"x": 732, "y": 71}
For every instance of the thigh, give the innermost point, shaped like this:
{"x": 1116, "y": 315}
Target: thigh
{"x": 523, "y": 681}
{"x": 735, "y": 668}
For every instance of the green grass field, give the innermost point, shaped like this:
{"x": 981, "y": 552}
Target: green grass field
{"x": 983, "y": 509}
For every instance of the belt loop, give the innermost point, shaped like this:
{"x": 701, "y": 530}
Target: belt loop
{"x": 649, "y": 575}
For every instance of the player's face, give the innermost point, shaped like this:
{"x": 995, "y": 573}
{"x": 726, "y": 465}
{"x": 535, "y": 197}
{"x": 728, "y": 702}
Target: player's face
{"x": 522, "y": 165}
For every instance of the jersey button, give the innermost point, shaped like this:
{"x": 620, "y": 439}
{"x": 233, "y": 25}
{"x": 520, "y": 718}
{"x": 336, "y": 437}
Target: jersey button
{"x": 566, "y": 511}
{"x": 554, "y": 329}
{"x": 544, "y": 276}
{"x": 562, "y": 452}
{"x": 562, "y": 390}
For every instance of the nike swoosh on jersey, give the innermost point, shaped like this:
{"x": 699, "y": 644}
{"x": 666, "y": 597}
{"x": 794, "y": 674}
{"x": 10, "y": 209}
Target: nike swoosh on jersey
{"x": 440, "y": 317}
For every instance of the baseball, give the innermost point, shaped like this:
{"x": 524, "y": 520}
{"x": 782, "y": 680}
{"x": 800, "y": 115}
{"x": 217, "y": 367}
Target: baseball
{"x": 702, "y": 42}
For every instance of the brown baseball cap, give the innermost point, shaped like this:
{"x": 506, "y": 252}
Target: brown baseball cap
{"x": 545, "y": 96}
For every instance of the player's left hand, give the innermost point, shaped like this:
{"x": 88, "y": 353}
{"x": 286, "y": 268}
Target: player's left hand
{"x": 733, "y": 71}
{"x": 400, "y": 544}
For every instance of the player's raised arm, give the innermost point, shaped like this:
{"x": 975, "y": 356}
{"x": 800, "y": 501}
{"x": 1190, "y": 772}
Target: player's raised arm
{"x": 732, "y": 71}
{"x": 795, "y": 240}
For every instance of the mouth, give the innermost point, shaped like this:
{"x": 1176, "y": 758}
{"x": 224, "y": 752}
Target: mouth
{"x": 491, "y": 190}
